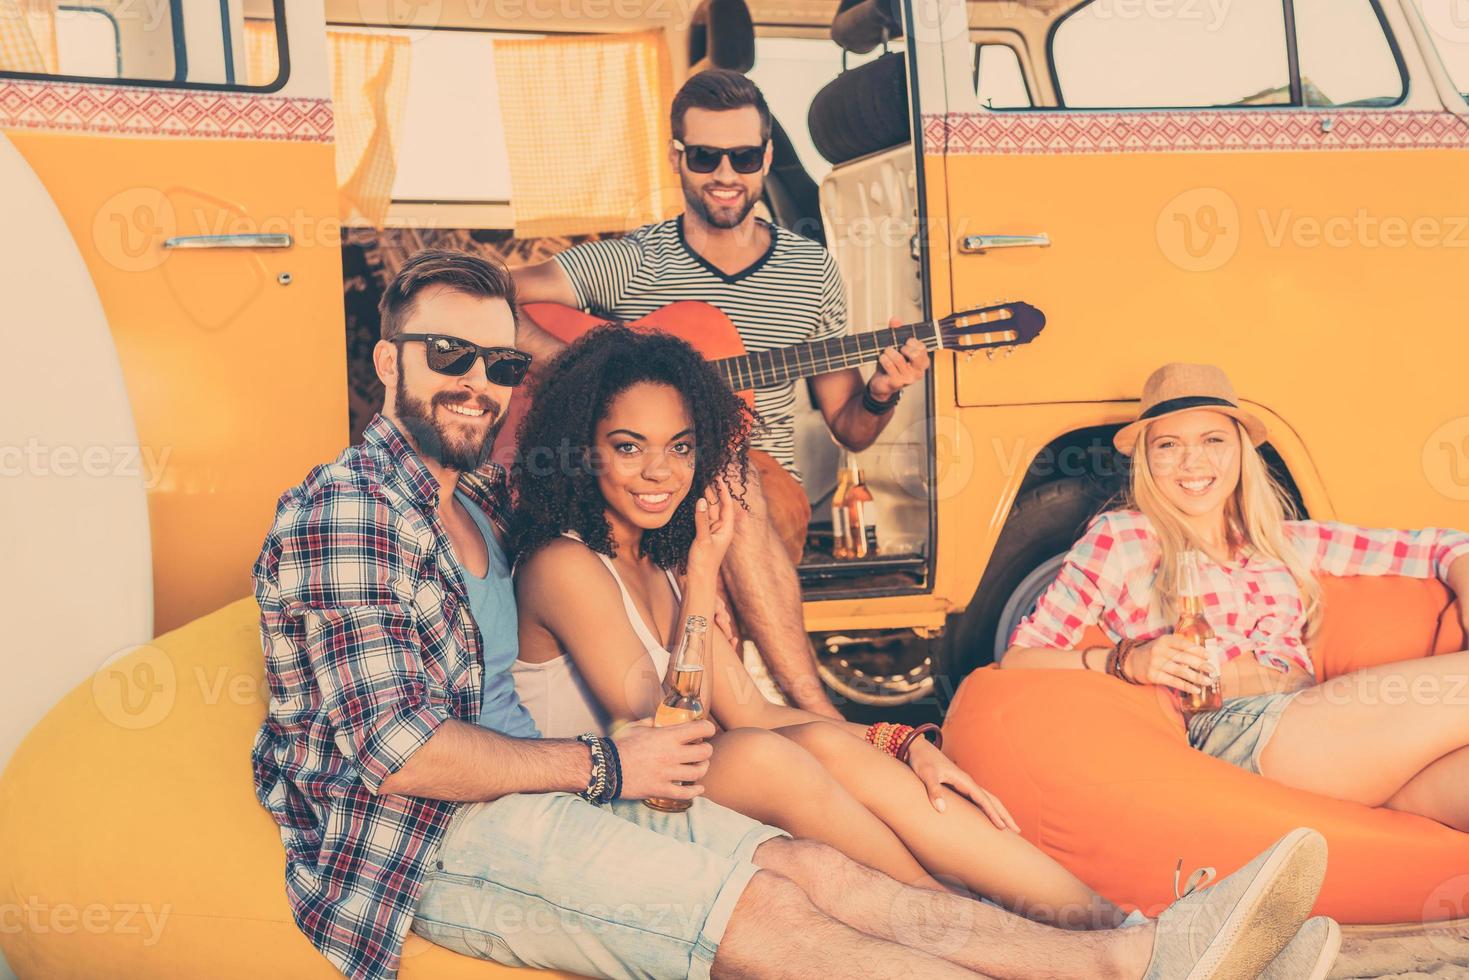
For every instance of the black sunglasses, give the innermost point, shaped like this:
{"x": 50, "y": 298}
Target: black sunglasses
{"x": 705, "y": 159}
{"x": 454, "y": 356}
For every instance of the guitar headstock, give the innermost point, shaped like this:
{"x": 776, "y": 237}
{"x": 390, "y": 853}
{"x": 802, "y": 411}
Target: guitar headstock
{"x": 990, "y": 327}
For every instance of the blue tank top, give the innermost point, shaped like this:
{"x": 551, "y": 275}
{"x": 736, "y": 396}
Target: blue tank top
{"x": 492, "y": 604}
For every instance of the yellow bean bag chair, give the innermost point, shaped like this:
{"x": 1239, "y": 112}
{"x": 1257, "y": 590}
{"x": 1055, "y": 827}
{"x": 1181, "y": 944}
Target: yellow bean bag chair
{"x": 131, "y": 842}
{"x": 1100, "y": 775}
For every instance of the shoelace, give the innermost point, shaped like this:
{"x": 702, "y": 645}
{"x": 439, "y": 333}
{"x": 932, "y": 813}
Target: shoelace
{"x": 1197, "y": 880}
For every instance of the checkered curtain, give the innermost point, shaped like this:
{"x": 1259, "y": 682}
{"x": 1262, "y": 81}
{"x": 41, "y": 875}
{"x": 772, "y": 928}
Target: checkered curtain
{"x": 28, "y": 36}
{"x": 369, "y": 90}
{"x": 586, "y": 129}
{"x": 262, "y": 59}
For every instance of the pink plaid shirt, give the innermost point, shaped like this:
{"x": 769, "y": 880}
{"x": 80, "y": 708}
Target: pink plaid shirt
{"x": 1252, "y": 603}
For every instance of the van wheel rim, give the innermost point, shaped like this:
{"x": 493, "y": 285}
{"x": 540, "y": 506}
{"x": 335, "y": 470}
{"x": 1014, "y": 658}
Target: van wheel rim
{"x": 1023, "y": 599}
{"x": 878, "y": 690}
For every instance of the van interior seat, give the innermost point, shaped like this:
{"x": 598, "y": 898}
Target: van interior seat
{"x": 722, "y": 35}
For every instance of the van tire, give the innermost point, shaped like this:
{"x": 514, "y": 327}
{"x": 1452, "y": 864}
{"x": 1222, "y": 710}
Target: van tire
{"x": 862, "y": 110}
{"x": 1044, "y": 522}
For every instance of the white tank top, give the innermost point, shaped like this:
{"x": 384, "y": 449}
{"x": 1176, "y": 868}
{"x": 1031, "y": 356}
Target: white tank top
{"x": 556, "y": 694}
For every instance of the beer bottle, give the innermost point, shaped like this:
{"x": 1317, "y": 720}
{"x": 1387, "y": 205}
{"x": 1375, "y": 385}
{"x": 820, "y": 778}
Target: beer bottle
{"x": 1194, "y": 627}
{"x": 841, "y": 546}
{"x": 861, "y": 525}
{"x": 684, "y": 700}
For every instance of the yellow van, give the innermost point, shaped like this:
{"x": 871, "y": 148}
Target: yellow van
{"x": 203, "y": 198}
{"x": 1264, "y": 184}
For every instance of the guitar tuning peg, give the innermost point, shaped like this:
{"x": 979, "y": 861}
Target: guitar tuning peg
{"x": 1009, "y": 351}
{"x": 990, "y": 353}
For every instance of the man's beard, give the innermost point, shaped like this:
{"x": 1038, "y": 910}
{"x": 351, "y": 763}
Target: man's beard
{"x": 457, "y": 452}
{"x": 694, "y": 198}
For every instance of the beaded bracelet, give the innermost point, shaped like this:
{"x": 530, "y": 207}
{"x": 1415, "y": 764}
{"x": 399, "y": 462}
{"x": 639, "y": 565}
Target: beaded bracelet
{"x": 887, "y": 737}
{"x": 605, "y": 784}
{"x": 916, "y": 734}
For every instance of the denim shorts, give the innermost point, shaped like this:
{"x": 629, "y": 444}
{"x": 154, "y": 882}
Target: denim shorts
{"x": 1237, "y": 732}
{"x": 548, "y": 880}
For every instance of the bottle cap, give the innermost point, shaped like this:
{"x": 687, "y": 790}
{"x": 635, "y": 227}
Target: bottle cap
{"x": 696, "y": 624}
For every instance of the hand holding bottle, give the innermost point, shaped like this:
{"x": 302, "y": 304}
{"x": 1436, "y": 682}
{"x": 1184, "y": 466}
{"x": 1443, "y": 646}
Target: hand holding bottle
{"x": 667, "y": 763}
{"x": 1172, "y": 661}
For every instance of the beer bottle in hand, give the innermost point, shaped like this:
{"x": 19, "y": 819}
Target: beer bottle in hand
{"x": 1194, "y": 627}
{"x": 684, "y": 700}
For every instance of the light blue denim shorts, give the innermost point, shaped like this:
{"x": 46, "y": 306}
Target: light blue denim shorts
{"x": 548, "y": 880}
{"x": 1237, "y": 732}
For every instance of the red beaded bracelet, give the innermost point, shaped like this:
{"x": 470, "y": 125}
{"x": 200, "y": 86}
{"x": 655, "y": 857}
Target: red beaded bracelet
{"x": 887, "y": 737}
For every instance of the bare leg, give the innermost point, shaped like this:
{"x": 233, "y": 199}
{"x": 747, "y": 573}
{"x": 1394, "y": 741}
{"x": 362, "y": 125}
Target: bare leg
{"x": 776, "y": 933}
{"x": 976, "y": 936}
{"x": 1364, "y": 736}
{"x": 960, "y": 844}
{"x": 775, "y": 781}
{"x": 766, "y": 599}
{"x": 1441, "y": 791}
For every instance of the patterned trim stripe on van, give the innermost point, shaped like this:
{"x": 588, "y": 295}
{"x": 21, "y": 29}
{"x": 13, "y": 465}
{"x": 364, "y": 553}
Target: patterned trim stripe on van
{"x": 990, "y": 133}
{"x": 141, "y": 111}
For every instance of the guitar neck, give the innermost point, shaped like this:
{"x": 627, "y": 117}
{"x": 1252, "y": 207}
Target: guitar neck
{"x": 767, "y": 368}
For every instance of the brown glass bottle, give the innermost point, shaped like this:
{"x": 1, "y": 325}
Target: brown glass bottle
{"x": 684, "y": 700}
{"x": 1194, "y": 626}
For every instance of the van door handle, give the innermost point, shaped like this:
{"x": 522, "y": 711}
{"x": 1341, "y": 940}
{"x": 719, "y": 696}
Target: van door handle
{"x": 229, "y": 241}
{"x": 974, "y": 244}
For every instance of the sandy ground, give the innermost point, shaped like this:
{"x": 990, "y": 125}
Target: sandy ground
{"x": 1404, "y": 954}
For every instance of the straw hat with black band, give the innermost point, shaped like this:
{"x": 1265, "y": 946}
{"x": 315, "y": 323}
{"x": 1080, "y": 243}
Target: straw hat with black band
{"x": 1175, "y": 388}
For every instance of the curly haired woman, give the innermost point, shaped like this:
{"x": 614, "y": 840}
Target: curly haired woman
{"x": 1200, "y": 484}
{"x": 622, "y": 520}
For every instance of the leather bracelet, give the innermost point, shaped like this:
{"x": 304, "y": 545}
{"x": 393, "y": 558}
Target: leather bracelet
{"x": 1127, "y": 647}
{"x": 875, "y": 407}
{"x": 1085, "y": 665}
{"x": 605, "y": 783}
{"x": 918, "y": 733}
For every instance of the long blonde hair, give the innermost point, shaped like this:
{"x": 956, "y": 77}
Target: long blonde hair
{"x": 1254, "y": 518}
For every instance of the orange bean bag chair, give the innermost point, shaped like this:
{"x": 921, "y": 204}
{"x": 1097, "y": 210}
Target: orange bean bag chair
{"x": 131, "y": 842}
{"x": 1100, "y": 774}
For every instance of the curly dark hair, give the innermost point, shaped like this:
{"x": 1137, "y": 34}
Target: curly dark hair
{"x": 553, "y": 481}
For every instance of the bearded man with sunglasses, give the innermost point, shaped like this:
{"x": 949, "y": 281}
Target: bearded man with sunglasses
{"x": 779, "y": 289}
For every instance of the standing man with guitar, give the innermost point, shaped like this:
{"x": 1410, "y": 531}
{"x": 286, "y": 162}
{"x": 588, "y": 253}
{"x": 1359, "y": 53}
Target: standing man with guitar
{"x": 779, "y": 290}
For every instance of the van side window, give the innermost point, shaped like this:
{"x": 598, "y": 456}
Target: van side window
{"x": 1346, "y": 59}
{"x": 1448, "y": 27}
{"x": 998, "y": 78}
{"x": 181, "y": 45}
{"x": 1122, "y": 54}
{"x": 1206, "y": 55}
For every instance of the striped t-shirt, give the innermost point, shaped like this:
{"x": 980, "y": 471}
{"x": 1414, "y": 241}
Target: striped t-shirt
{"x": 790, "y": 295}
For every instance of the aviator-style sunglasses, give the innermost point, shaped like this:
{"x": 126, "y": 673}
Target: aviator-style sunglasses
{"x": 454, "y": 356}
{"x": 705, "y": 159}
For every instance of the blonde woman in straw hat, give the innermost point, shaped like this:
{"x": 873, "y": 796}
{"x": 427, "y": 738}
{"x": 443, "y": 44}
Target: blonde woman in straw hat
{"x": 1199, "y": 484}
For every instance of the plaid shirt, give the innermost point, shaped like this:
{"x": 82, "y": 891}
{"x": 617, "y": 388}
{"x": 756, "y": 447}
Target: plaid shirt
{"x": 1253, "y": 604}
{"x": 369, "y": 646}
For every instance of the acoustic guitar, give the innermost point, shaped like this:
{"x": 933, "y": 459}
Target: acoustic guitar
{"x": 713, "y": 334}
